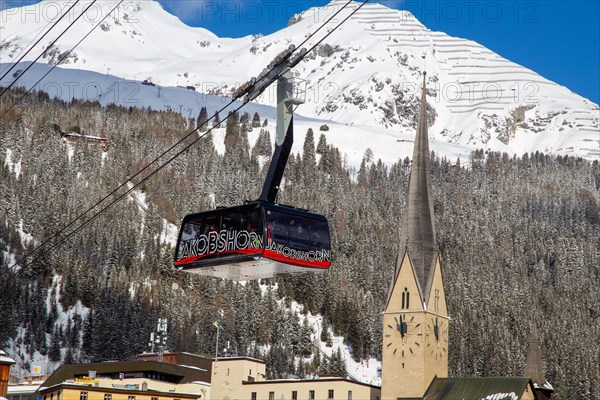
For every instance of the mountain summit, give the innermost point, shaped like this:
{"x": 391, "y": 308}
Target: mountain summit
{"x": 366, "y": 73}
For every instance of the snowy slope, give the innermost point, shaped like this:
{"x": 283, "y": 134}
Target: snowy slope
{"x": 352, "y": 139}
{"x": 367, "y": 73}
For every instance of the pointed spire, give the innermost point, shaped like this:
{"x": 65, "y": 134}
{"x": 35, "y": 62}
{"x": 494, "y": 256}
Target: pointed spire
{"x": 533, "y": 366}
{"x": 418, "y": 225}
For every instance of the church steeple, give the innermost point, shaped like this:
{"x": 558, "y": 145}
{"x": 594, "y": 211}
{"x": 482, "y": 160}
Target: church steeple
{"x": 418, "y": 225}
{"x": 415, "y": 320}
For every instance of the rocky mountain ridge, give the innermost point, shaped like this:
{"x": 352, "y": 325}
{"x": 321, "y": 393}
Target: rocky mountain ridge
{"x": 366, "y": 73}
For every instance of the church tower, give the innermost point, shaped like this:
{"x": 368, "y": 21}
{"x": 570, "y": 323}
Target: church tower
{"x": 415, "y": 320}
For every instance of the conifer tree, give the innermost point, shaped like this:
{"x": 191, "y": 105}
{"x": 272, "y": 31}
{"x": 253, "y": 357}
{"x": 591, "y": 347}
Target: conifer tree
{"x": 309, "y": 159}
{"x": 69, "y": 357}
{"x": 301, "y": 370}
{"x": 54, "y": 353}
{"x": 217, "y": 121}
{"x": 256, "y": 120}
{"x": 337, "y": 365}
{"x": 322, "y": 146}
{"x": 245, "y": 124}
{"x": 325, "y": 336}
{"x": 202, "y": 119}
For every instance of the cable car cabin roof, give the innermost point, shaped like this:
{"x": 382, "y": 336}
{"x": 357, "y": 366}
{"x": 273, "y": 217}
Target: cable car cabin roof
{"x": 253, "y": 241}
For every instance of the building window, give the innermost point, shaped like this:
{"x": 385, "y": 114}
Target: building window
{"x": 271, "y": 395}
{"x": 311, "y": 395}
{"x": 130, "y": 397}
{"x": 294, "y": 395}
{"x": 405, "y": 299}
{"x": 437, "y": 300}
{"x": 107, "y": 396}
{"x": 83, "y": 396}
{"x": 253, "y": 396}
{"x": 349, "y": 394}
{"x": 153, "y": 398}
{"x": 330, "y": 394}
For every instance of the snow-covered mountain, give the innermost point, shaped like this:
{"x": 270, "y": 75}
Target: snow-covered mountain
{"x": 364, "y": 77}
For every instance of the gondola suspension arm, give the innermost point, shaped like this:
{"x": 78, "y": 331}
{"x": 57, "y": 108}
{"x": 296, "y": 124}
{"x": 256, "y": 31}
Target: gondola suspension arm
{"x": 287, "y": 88}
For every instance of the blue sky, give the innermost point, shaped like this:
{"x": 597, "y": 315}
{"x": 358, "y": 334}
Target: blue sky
{"x": 559, "y": 39}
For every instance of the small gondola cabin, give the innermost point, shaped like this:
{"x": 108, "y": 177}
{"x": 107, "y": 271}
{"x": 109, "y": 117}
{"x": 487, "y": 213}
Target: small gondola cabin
{"x": 253, "y": 241}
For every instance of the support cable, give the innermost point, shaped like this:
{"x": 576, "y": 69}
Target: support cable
{"x": 163, "y": 165}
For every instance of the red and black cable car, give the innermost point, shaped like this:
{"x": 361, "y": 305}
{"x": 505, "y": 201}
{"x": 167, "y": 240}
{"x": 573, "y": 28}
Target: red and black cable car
{"x": 253, "y": 241}
{"x": 259, "y": 239}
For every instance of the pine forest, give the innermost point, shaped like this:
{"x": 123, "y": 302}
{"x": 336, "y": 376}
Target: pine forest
{"x": 519, "y": 239}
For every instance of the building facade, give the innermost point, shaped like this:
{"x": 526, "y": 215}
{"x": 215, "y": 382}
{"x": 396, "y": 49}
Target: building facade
{"x": 5, "y": 363}
{"x": 184, "y": 376}
{"x": 241, "y": 378}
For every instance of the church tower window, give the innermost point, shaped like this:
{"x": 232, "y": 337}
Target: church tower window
{"x": 405, "y": 299}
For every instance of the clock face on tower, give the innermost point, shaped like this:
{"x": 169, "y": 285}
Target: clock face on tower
{"x": 400, "y": 336}
{"x": 436, "y": 337}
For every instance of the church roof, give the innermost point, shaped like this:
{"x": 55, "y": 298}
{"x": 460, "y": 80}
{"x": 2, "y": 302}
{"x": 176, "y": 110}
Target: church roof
{"x": 477, "y": 388}
{"x": 418, "y": 225}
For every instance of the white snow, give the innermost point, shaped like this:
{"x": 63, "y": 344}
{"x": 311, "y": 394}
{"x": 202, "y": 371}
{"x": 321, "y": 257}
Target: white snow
{"x": 25, "y": 236}
{"x": 169, "y": 233}
{"x": 361, "y": 90}
{"x": 17, "y": 348}
{"x": 365, "y": 371}
{"x": 13, "y": 166}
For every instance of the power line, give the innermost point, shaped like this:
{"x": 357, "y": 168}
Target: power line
{"x": 163, "y": 165}
{"x": 24, "y": 53}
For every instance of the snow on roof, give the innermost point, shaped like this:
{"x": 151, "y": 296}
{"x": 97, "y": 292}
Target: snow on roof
{"x": 192, "y": 367}
{"x": 237, "y": 358}
{"x": 17, "y": 389}
{"x": 201, "y": 383}
{"x": 5, "y": 359}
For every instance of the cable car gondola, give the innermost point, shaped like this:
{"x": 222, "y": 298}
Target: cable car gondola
{"x": 259, "y": 239}
{"x": 253, "y": 241}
